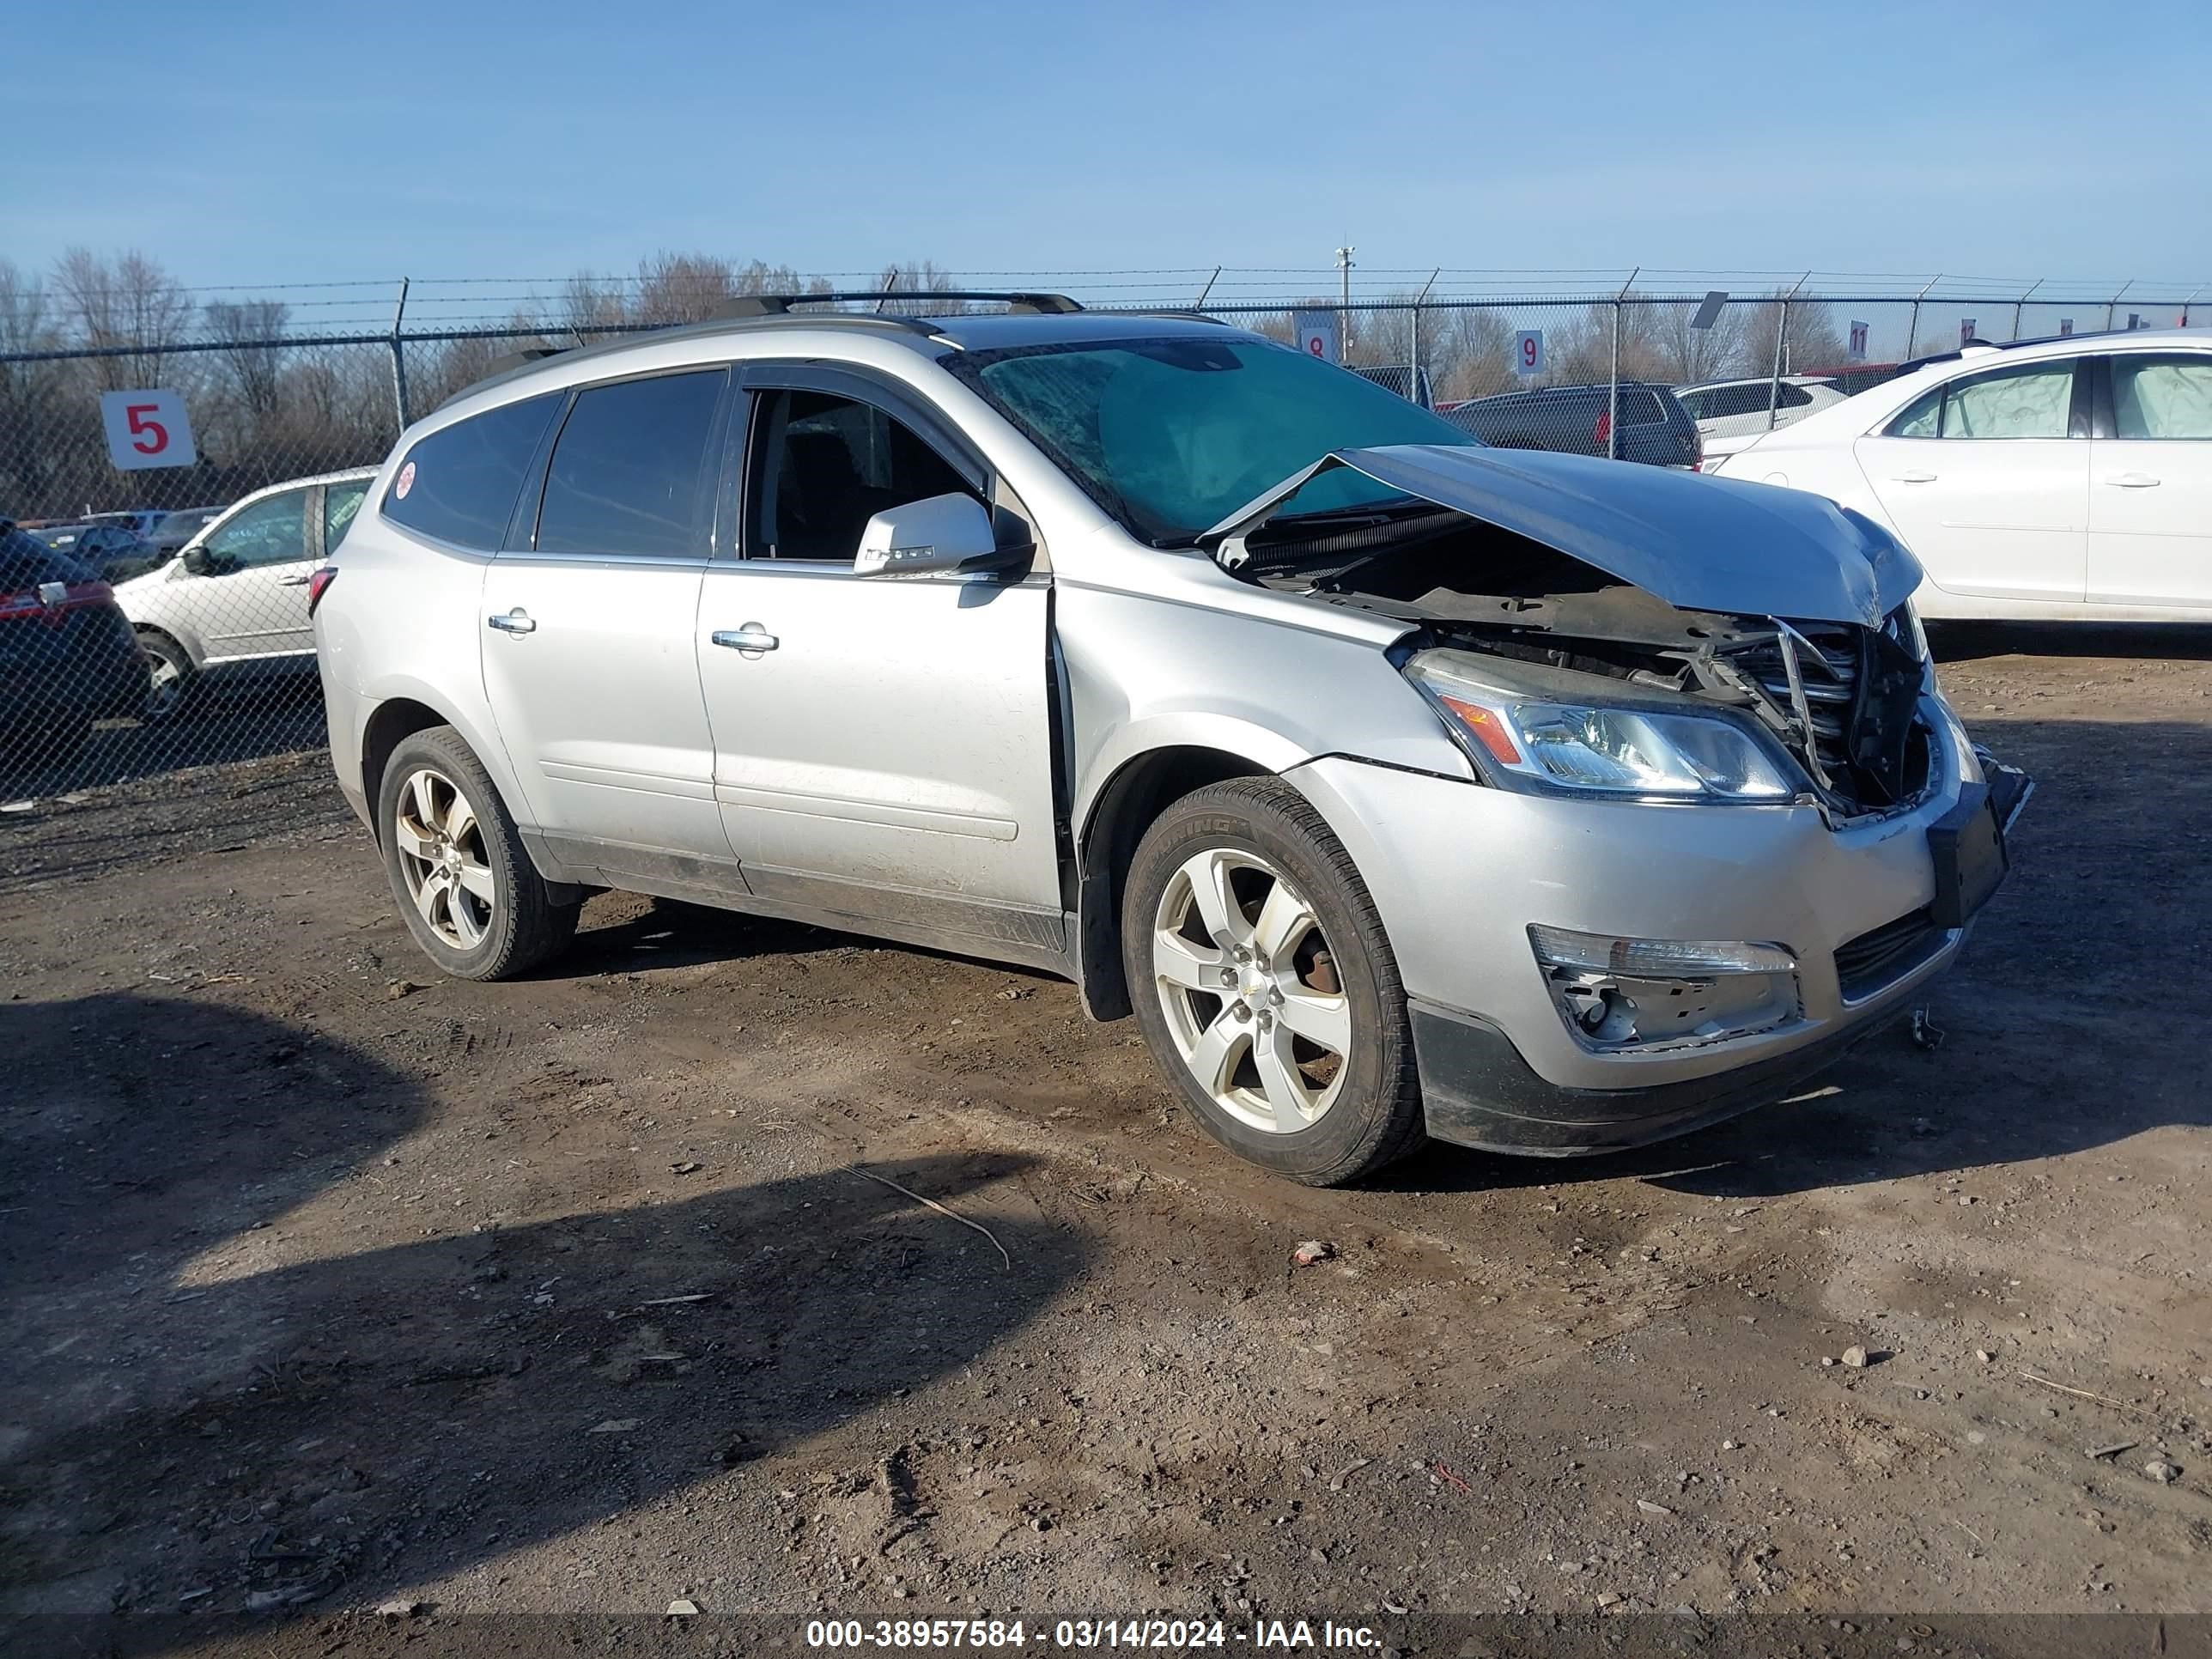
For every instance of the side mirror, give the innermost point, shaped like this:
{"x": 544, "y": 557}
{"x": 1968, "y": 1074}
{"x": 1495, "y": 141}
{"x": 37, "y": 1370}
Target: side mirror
{"x": 942, "y": 535}
{"x": 195, "y": 561}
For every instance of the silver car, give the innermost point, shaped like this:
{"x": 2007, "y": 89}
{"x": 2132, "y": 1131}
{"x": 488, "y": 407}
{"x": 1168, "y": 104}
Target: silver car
{"x": 1398, "y": 786}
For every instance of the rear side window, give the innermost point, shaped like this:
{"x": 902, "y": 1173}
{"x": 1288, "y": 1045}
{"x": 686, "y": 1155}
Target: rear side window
{"x": 2159, "y": 397}
{"x": 625, "y": 473}
{"x": 25, "y": 561}
{"x": 460, "y": 484}
{"x": 2031, "y": 400}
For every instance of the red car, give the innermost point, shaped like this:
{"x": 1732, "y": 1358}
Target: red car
{"x": 67, "y": 654}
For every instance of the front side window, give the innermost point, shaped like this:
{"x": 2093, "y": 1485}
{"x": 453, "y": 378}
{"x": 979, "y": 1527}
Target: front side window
{"x": 2031, "y": 400}
{"x": 341, "y": 506}
{"x": 272, "y": 531}
{"x": 2162, "y": 397}
{"x": 1173, "y": 435}
{"x": 823, "y": 465}
{"x": 624, "y": 477}
{"x": 460, "y": 484}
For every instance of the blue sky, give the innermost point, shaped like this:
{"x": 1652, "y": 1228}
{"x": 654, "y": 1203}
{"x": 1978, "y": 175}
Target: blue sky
{"x": 260, "y": 143}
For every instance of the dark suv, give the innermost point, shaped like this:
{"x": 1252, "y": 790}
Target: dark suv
{"x": 1654, "y": 427}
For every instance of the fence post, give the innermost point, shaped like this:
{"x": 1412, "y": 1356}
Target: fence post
{"x": 1913, "y": 327}
{"x": 2189, "y": 301}
{"x": 1781, "y": 336}
{"x": 2114, "y": 300}
{"x": 1612, "y": 375}
{"x": 399, "y": 358}
{"x": 1199, "y": 304}
{"x": 2018, "y": 303}
{"x": 1414, "y": 345}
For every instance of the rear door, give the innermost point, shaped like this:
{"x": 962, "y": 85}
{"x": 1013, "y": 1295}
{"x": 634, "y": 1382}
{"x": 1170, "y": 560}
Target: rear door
{"x": 1986, "y": 478}
{"x": 588, "y": 617}
{"x": 248, "y": 596}
{"x": 883, "y": 746}
{"x": 2150, "y": 481}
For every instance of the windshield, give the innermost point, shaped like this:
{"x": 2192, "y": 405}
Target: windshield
{"x": 1173, "y": 435}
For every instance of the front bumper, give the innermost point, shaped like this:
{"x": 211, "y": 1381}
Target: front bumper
{"x": 1458, "y": 871}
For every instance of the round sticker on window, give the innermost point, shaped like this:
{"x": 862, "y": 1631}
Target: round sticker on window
{"x": 404, "y": 483}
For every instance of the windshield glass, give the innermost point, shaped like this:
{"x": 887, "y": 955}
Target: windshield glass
{"x": 1173, "y": 435}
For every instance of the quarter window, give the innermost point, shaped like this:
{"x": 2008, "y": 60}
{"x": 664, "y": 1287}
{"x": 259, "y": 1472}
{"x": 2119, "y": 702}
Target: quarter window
{"x": 341, "y": 506}
{"x": 460, "y": 484}
{"x": 2158, "y": 397}
{"x": 824, "y": 465}
{"x": 624, "y": 477}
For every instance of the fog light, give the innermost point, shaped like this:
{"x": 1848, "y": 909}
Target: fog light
{"x": 1643, "y": 994}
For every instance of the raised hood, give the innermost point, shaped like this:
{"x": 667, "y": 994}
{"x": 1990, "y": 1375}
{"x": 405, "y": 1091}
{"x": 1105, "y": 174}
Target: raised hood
{"x": 1702, "y": 544}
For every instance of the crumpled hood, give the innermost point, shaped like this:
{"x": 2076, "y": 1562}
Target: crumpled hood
{"x": 1702, "y": 544}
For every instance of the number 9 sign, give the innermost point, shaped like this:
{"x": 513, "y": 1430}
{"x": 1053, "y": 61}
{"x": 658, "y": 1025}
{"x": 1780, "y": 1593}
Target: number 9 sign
{"x": 1529, "y": 351}
{"x": 147, "y": 429}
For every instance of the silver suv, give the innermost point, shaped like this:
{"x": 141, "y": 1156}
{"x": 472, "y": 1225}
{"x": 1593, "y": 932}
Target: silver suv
{"x": 1398, "y": 786}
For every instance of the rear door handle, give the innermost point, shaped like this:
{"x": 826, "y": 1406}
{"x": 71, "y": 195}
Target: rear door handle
{"x": 2131, "y": 481}
{"x": 752, "y": 639}
{"x": 1916, "y": 478}
{"x": 517, "y": 621}
{"x": 293, "y": 581}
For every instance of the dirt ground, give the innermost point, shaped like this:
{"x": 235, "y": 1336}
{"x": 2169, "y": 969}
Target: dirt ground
{"x": 329, "y": 1282}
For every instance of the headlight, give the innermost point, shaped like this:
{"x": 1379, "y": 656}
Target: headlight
{"x": 1600, "y": 750}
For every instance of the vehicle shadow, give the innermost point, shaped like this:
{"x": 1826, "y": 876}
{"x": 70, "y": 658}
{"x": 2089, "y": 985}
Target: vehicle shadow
{"x": 2065, "y": 1021}
{"x": 206, "y": 1409}
{"x": 1963, "y": 642}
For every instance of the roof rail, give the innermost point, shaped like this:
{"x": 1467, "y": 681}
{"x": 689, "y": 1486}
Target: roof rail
{"x": 778, "y": 304}
{"x": 521, "y": 359}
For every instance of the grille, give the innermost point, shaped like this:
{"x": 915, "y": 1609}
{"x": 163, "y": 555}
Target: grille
{"x": 1861, "y": 733}
{"x": 1830, "y": 672}
{"x": 1865, "y": 964}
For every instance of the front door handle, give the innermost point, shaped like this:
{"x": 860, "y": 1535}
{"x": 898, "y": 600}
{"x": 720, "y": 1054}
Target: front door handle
{"x": 293, "y": 581}
{"x": 517, "y": 621}
{"x": 2131, "y": 481}
{"x": 1916, "y": 478}
{"x": 752, "y": 639}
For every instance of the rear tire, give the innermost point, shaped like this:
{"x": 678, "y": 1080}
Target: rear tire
{"x": 170, "y": 677}
{"x": 1301, "y": 1059}
{"x": 459, "y": 871}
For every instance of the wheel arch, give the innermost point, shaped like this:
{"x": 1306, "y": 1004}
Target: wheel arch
{"x": 1120, "y": 810}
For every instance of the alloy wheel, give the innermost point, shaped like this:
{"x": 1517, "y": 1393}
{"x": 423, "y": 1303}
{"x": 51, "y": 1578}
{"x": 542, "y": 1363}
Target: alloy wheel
{"x": 441, "y": 857}
{"x": 165, "y": 682}
{"x": 1251, "y": 991}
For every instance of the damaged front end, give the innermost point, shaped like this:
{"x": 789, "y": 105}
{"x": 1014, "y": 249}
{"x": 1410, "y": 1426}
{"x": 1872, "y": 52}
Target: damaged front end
{"x": 1592, "y": 629}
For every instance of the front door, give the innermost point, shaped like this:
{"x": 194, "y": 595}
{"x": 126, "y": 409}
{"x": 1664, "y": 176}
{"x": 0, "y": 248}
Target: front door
{"x": 587, "y": 644}
{"x": 248, "y": 584}
{"x": 1987, "y": 479}
{"x": 883, "y": 746}
{"x": 2150, "y": 483}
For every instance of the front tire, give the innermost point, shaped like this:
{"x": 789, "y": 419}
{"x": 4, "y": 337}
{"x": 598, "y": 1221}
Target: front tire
{"x": 459, "y": 872}
{"x": 1266, "y": 986}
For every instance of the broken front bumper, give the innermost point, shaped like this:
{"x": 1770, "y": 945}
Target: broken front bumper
{"x": 1871, "y": 912}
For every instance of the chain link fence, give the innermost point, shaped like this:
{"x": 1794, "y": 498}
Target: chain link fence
{"x": 154, "y": 619}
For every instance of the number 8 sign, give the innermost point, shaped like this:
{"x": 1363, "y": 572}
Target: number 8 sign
{"x": 1529, "y": 351}
{"x": 147, "y": 429}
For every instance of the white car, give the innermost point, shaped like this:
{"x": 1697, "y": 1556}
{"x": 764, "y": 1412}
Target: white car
{"x": 236, "y": 593}
{"x": 2061, "y": 480}
{"x": 1730, "y": 410}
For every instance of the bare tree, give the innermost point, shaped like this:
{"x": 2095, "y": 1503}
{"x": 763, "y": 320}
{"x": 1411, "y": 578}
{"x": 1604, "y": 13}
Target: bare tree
{"x": 682, "y": 287}
{"x": 1811, "y": 341}
{"x": 590, "y": 305}
{"x": 1468, "y": 350}
{"x": 250, "y": 369}
{"x": 129, "y": 301}
{"x": 1687, "y": 355}
{"x": 27, "y": 392}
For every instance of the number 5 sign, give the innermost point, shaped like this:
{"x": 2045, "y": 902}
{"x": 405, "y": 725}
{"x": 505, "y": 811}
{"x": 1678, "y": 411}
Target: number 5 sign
{"x": 147, "y": 429}
{"x": 1529, "y": 351}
